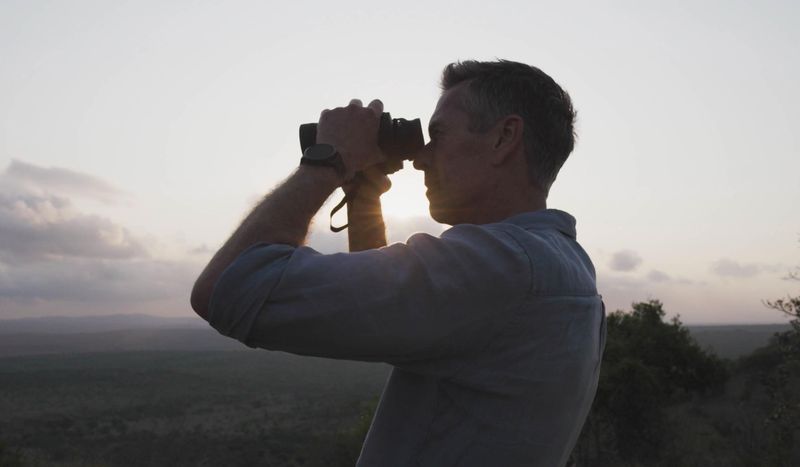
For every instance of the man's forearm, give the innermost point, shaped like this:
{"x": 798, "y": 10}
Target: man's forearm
{"x": 366, "y": 229}
{"x": 364, "y": 214}
{"x": 283, "y": 216}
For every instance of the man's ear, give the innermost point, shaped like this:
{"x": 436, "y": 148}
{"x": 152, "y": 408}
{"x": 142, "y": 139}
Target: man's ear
{"x": 507, "y": 138}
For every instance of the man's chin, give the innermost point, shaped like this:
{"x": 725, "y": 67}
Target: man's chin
{"x": 440, "y": 215}
{"x": 439, "y": 209}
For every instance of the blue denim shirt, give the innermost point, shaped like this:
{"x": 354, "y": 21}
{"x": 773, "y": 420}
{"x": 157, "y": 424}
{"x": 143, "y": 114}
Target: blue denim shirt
{"x": 495, "y": 333}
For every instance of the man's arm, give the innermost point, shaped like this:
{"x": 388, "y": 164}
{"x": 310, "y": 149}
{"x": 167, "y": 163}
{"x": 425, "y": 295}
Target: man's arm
{"x": 423, "y": 299}
{"x": 366, "y": 229}
{"x": 283, "y": 216}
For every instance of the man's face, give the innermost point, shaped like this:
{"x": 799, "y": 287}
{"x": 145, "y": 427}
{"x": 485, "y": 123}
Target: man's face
{"x": 455, "y": 162}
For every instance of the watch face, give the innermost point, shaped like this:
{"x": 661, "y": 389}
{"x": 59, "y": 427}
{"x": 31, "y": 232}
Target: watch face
{"x": 320, "y": 152}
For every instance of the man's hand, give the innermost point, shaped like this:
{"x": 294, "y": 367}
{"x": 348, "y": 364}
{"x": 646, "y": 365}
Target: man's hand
{"x": 369, "y": 184}
{"x": 353, "y": 131}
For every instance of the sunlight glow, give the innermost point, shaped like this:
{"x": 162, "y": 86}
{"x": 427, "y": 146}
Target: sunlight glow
{"x": 406, "y": 198}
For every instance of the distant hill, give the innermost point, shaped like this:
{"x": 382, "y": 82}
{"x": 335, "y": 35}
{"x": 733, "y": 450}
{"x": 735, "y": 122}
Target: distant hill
{"x": 117, "y": 341}
{"x": 117, "y": 333}
{"x": 84, "y": 324}
{"x": 733, "y": 341}
{"x": 111, "y": 333}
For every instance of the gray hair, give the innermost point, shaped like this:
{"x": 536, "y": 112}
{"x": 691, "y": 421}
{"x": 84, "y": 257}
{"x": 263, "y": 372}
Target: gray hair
{"x": 498, "y": 89}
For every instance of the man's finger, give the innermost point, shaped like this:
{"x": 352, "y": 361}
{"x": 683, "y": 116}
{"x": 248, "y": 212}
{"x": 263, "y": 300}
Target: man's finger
{"x": 356, "y": 102}
{"x": 376, "y": 106}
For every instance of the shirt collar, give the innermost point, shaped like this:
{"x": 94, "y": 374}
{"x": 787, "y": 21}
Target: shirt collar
{"x": 545, "y": 219}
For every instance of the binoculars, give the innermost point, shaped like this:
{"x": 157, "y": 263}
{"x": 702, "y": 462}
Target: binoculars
{"x": 398, "y": 138}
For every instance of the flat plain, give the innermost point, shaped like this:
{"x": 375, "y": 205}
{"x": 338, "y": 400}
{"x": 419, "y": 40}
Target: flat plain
{"x": 185, "y": 396}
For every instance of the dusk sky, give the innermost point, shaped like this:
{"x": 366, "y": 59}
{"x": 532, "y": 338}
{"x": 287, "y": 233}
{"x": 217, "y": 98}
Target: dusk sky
{"x": 134, "y": 136}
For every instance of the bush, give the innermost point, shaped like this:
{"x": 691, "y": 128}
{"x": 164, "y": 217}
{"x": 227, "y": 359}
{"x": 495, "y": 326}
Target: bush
{"x": 648, "y": 365}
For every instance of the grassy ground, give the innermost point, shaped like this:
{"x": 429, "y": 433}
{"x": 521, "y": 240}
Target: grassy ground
{"x": 184, "y": 408}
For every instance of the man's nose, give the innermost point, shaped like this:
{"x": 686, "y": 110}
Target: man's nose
{"x": 422, "y": 158}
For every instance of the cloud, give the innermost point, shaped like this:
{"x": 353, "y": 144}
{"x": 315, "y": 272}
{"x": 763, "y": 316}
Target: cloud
{"x": 619, "y": 290}
{"x": 201, "y": 250}
{"x": 661, "y": 277}
{"x": 658, "y": 276}
{"x": 729, "y": 268}
{"x": 96, "y": 280}
{"x": 55, "y": 179}
{"x": 625, "y": 260}
{"x": 52, "y": 255}
{"x": 33, "y": 227}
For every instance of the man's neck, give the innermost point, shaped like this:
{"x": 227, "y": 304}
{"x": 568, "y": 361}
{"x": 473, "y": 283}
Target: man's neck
{"x": 500, "y": 211}
{"x": 507, "y": 203}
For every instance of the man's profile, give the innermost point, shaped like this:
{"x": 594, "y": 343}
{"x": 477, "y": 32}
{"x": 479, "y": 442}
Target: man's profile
{"x": 495, "y": 328}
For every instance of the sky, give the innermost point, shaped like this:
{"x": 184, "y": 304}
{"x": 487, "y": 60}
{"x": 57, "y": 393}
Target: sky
{"x": 134, "y": 136}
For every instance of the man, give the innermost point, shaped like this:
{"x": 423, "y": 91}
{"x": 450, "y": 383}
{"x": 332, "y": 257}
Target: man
{"x": 495, "y": 329}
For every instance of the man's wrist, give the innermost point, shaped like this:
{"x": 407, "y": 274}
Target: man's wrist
{"x": 326, "y": 175}
{"x": 365, "y": 199}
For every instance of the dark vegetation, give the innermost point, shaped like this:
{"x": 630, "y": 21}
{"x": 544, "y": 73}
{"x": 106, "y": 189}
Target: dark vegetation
{"x": 171, "y": 408}
{"x": 663, "y": 400}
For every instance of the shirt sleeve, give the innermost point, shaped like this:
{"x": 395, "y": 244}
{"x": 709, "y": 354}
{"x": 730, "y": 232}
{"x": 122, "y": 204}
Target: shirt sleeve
{"x": 430, "y": 297}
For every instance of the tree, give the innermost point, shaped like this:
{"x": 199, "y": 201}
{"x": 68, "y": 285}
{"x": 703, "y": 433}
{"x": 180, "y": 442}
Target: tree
{"x": 10, "y": 457}
{"x": 779, "y": 365}
{"x": 648, "y": 365}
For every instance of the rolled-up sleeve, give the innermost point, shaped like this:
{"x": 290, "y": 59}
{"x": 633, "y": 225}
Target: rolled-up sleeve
{"x": 429, "y": 297}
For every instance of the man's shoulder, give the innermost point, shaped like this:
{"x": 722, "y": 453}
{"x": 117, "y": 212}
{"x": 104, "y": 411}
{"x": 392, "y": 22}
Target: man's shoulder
{"x": 559, "y": 263}
{"x": 497, "y": 238}
{"x": 543, "y": 220}
{"x": 515, "y": 230}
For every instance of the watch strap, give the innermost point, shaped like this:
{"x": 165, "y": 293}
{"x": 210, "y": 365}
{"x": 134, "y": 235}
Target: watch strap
{"x": 335, "y": 161}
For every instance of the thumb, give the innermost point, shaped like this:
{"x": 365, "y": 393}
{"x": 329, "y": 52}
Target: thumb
{"x": 375, "y": 180}
{"x": 370, "y": 182}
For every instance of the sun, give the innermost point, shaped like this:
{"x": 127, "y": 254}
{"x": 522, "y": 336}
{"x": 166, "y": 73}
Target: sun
{"x": 406, "y": 199}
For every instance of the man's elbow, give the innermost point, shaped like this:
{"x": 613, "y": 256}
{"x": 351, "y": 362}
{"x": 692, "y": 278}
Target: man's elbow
{"x": 201, "y": 296}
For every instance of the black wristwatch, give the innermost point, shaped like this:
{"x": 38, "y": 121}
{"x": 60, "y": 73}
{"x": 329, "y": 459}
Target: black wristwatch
{"x": 324, "y": 155}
